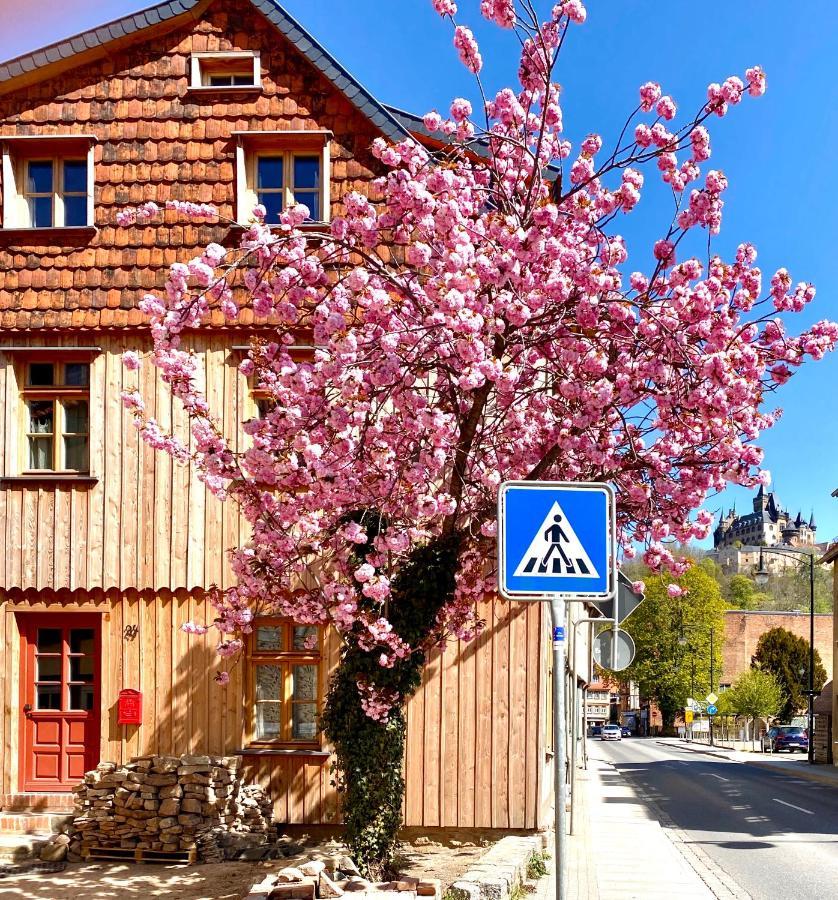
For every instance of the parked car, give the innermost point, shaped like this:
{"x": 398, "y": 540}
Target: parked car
{"x": 611, "y": 733}
{"x": 596, "y": 730}
{"x": 789, "y": 737}
{"x": 625, "y": 731}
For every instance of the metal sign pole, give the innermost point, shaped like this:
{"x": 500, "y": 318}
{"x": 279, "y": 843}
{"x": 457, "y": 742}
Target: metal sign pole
{"x": 557, "y": 608}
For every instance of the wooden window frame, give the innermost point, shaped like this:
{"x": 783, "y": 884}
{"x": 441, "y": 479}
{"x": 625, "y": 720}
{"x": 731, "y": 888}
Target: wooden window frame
{"x": 15, "y": 156}
{"x": 58, "y": 393}
{"x": 252, "y": 146}
{"x": 205, "y": 65}
{"x": 285, "y": 658}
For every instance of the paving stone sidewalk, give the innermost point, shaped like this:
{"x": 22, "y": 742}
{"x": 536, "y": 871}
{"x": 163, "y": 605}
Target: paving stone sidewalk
{"x": 620, "y": 851}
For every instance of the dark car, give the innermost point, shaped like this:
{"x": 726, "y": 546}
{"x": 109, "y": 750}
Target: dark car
{"x": 626, "y": 730}
{"x": 789, "y": 737}
{"x": 596, "y": 730}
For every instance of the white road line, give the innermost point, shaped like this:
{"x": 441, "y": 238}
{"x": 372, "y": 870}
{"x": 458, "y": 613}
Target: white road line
{"x": 798, "y": 808}
{"x": 714, "y": 775}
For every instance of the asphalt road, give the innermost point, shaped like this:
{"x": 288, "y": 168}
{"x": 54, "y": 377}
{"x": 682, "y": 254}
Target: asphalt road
{"x": 773, "y": 834}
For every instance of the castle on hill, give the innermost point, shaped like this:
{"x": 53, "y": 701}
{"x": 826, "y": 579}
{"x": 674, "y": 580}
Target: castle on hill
{"x": 737, "y": 538}
{"x": 769, "y": 524}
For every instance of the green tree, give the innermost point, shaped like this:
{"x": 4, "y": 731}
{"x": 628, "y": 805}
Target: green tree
{"x": 756, "y": 694}
{"x": 741, "y": 591}
{"x": 786, "y": 656}
{"x": 673, "y": 637}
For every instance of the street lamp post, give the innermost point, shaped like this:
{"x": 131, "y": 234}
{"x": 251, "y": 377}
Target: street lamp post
{"x": 761, "y": 577}
{"x": 683, "y": 642}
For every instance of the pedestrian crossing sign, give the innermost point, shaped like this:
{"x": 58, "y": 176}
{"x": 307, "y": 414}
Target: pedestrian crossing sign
{"x": 556, "y": 538}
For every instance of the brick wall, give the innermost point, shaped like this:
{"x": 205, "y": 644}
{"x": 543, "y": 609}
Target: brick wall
{"x": 743, "y": 630}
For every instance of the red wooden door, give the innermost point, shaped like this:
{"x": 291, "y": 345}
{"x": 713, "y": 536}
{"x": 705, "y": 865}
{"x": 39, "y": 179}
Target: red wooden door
{"x": 61, "y": 698}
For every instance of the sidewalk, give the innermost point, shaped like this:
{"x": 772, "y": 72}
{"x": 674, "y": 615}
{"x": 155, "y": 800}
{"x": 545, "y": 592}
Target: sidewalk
{"x": 620, "y": 851}
{"x": 792, "y": 765}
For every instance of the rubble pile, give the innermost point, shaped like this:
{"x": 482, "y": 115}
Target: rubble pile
{"x": 170, "y": 804}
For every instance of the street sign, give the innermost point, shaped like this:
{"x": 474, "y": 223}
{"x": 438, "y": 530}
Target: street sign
{"x": 688, "y": 716}
{"x": 712, "y": 710}
{"x": 614, "y": 655}
{"x": 627, "y": 600}
{"x": 711, "y": 699}
{"x": 554, "y": 538}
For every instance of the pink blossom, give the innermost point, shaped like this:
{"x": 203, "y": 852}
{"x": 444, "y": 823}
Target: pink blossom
{"x": 675, "y": 590}
{"x": 460, "y": 109}
{"x": 649, "y": 95}
{"x": 432, "y": 121}
{"x": 756, "y": 81}
{"x": 222, "y": 678}
{"x": 467, "y": 47}
{"x": 501, "y": 12}
{"x": 665, "y": 252}
{"x": 445, "y": 7}
{"x": 666, "y": 108}
{"x": 131, "y": 360}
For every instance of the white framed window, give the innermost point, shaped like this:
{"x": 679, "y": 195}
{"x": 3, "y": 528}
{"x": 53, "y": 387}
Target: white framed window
{"x": 280, "y": 169}
{"x": 47, "y": 182}
{"x": 56, "y": 416}
{"x": 217, "y": 70}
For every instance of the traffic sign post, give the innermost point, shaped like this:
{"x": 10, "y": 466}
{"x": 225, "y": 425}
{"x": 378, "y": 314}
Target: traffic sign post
{"x": 556, "y": 542}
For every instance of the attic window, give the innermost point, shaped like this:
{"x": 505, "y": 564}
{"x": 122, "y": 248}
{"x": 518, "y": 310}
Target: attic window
{"x": 219, "y": 71}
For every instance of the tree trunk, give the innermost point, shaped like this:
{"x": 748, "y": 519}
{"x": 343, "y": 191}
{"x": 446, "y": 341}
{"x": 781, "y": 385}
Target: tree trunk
{"x": 369, "y": 754}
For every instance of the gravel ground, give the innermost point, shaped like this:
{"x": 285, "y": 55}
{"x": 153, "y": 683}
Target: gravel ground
{"x": 215, "y": 881}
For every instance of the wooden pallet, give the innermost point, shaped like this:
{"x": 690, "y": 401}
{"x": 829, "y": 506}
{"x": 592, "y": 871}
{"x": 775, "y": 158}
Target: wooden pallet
{"x": 141, "y": 855}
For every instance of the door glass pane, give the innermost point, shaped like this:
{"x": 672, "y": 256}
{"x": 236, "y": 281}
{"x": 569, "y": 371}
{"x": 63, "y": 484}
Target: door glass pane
{"x": 81, "y": 640}
{"x": 40, "y": 453}
{"x": 40, "y": 212}
{"x": 305, "y": 637}
{"x": 39, "y": 180}
{"x": 273, "y": 206}
{"x": 305, "y": 682}
{"x": 81, "y": 668}
{"x": 75, "y": 210}
{"x": 49, "y": 668}
{"x": 306, "y": 172}
{"x": 305, "y": 721}
{"x": 48, "y": 696}
{"x": 49, "y": 640}
{"x": 81, "y": 696}
{"x": 41, "y": 374}
{"x": 267, "y": 720}
{"x": 75, "y": 416}
{"x": 41, "y": 418}
{"x": 269, "y": 172}
{"x": 77, "y": 374}
{"x": 75, "y": 176}
{"x": 269, "y": 637}
{"x": 75, "y": 454}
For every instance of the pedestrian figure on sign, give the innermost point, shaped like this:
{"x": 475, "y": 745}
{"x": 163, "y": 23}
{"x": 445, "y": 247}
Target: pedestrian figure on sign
{"x": 555, "y": 535}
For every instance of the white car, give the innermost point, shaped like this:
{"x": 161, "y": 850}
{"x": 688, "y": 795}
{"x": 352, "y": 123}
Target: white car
{"x": 611, "y": 733}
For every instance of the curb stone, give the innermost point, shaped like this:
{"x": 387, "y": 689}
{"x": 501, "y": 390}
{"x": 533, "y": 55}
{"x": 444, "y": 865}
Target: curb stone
{"x": 500, "y": 870}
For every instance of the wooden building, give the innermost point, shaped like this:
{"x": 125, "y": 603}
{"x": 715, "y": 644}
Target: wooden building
{"x": 107, "y": 547}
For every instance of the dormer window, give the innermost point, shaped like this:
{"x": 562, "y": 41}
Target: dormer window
{"x": 225, "y": 70}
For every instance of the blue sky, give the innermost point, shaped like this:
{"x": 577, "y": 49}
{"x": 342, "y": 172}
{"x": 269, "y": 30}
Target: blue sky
{"x": 779, "y": 152}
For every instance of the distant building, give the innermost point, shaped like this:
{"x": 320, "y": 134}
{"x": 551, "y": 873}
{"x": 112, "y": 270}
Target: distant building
{"x": 767, "y": 525}
{"x": 744, "y": 628}
{"x": 738, "y": 538}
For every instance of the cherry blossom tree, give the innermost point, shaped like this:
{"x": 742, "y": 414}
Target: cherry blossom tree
{"x": 475, "y": 320}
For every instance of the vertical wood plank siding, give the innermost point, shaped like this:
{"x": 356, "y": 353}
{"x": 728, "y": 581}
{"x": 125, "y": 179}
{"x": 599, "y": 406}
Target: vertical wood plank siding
{"x": 184, "y": 711}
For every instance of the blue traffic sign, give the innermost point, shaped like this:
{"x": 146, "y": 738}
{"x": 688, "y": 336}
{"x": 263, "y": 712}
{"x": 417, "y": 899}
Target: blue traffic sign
{"x": 556, "y": 537}
{"x": 712, "y": 710}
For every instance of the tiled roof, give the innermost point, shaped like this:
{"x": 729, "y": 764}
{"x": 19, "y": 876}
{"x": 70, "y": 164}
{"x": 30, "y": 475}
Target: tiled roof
{"x": 351, "y": 88}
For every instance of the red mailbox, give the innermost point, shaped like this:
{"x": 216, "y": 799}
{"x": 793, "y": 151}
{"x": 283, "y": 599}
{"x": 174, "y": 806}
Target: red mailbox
{"x": 130, "y": 707}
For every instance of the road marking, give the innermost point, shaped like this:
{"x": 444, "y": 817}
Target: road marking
{"x": 714, "y": 775}
{"x": 798, "y": 808}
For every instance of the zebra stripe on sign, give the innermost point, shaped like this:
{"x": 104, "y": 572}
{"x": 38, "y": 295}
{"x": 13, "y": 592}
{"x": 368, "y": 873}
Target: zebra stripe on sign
{"x": 555, "y": 551}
